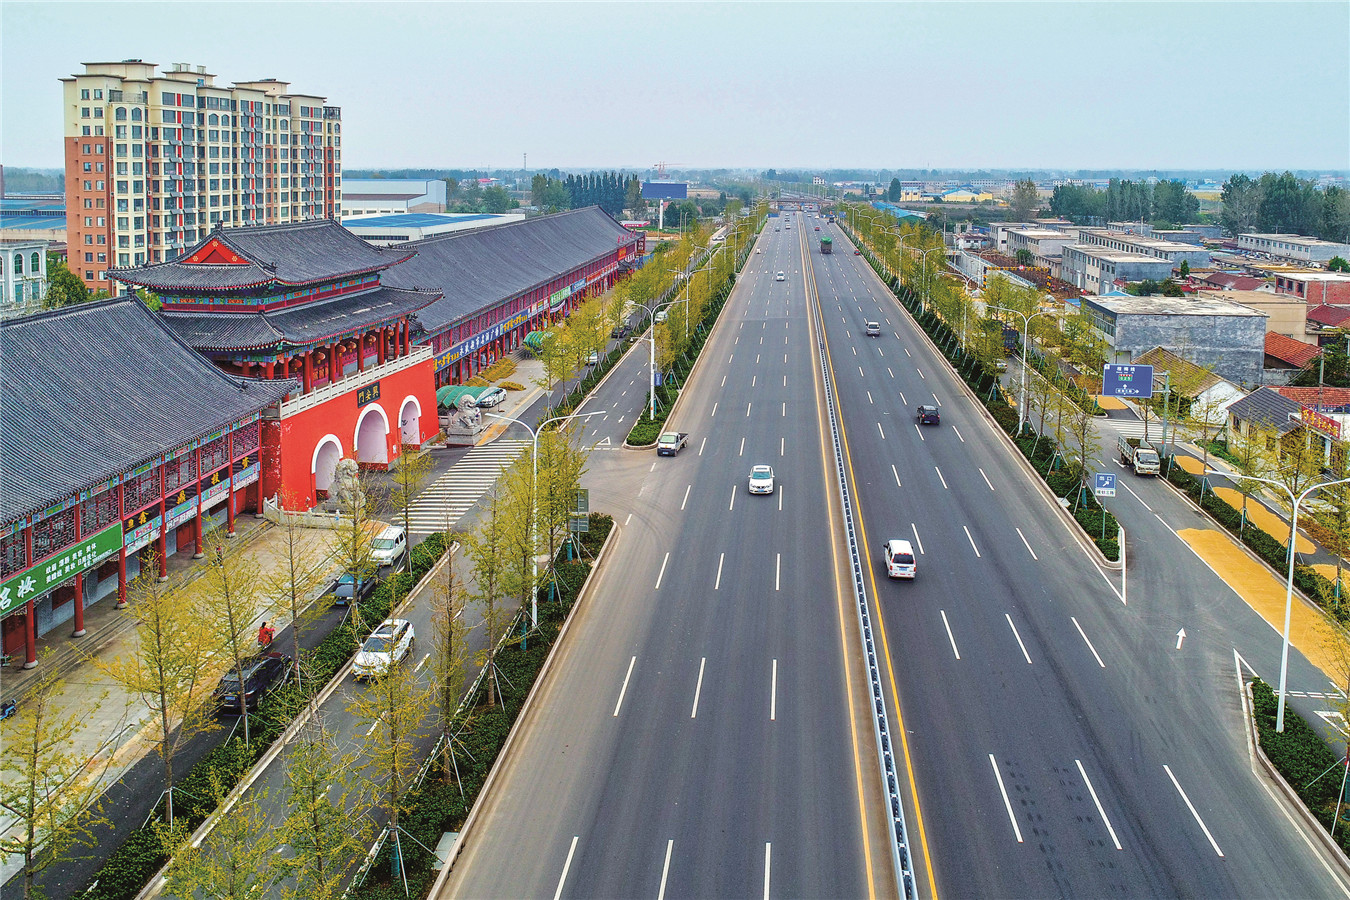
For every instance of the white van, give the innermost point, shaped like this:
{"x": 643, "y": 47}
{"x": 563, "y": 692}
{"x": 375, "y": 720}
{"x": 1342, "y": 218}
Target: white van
{"x": 389, "y": 547}
{"x": 899, "y": 559}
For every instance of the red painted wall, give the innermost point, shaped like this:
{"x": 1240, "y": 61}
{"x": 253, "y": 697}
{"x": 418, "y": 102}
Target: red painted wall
{"x": 288, "y": 445}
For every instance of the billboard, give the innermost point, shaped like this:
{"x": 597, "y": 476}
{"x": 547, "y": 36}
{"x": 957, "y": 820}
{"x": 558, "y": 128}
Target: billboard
{"x": 665, "y": 190}
{"x": 1127, "y": 381}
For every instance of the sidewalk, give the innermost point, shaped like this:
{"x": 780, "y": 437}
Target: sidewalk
{"x": 113, "y": 733}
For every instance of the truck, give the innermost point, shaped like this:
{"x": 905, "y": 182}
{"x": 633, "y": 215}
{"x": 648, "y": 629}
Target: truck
{"x": 671, "y": 443}
{"x": 826, "y": 245}
{"x": 1139, "y": 455}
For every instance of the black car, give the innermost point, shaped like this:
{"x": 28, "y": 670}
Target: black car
{"x": 619, "y": 332}
{"x": 262, "y": 674}
{"x": 928, "y": 415}
{"x": 342, "y": 589}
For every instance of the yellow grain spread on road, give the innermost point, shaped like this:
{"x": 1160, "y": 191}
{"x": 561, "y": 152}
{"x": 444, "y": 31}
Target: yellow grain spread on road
{"x": 1110, "y": 402}
{"x": 1191, "y": 464}
{"x": 1263, "y": 592}
{"x": 1267, "y": 521}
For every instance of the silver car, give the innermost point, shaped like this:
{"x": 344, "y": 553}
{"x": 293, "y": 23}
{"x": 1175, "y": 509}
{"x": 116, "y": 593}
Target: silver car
{"x": 388, "y": 645}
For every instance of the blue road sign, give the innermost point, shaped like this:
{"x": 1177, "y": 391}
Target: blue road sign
{"x": 1104, "y": 484}
{"x": 1127, "y": 381}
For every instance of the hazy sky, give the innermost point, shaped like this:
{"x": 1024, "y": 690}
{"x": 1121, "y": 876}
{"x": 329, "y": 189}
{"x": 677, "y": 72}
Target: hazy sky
{"x": 896, "y": 85}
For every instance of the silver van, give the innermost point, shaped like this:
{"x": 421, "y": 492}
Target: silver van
{"x": 388, "y": 548}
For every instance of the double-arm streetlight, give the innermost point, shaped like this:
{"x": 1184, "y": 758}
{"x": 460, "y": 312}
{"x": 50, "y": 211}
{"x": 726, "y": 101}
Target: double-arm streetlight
{"x": 1026, "y": 336}
{"x": 923, "y": 298}
{"x": 534, "y": 498}
{"x": 1296, "y": 501}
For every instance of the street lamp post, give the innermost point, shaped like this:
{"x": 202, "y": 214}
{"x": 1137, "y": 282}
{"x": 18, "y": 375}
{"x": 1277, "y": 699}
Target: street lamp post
{"x": 1026, "y": 336}
{"x": 534, "y": 498}
{"x": 923, "y": 298}
{"x": 1289, "y": 583}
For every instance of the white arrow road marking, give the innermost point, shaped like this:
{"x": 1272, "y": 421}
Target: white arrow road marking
{"x": 1181, "y": 636}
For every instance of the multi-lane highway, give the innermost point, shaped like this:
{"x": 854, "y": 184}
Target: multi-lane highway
{"x": 1061, "y": 744}
{"x": 701, "y": 734}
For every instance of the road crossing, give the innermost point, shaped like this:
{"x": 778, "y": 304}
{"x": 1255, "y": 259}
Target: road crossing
{"x": 455, "y": 492}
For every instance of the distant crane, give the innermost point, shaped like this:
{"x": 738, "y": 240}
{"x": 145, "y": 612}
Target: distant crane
{"x": 661, "y": 169}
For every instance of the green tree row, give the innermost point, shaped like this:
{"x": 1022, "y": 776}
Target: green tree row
{"x": 1167, "y": 202}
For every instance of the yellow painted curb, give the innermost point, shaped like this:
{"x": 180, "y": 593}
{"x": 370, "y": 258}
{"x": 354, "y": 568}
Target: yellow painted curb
{"x": 1263, "y": 592}
{"x": 1264, "y": 519}
{"x": 1111, "y": 402}
{"x": 1190, "y": 464}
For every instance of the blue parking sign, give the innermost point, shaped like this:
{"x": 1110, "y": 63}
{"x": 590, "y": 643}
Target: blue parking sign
{"x": 1104, "y": 484}
{"x": 1127, "y": 381}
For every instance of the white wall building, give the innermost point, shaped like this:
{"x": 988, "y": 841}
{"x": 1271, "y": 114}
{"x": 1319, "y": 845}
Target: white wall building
{"x": 24, "y": 283}
{"x": 1295, "y": 247}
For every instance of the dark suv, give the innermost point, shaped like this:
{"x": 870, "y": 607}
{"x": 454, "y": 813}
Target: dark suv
{"x": 262, "y": 674}
{"x": 619, "y": 332}
{"x": 928, "y": 415}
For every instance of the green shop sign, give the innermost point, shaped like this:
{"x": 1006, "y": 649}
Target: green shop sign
{"x": 61, "y": 567}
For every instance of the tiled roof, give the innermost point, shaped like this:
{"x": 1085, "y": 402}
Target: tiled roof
{"x": 1296, "y": 353}
{"x": 1333, "y": 316}
{"x": 298, "y": 253}
{"x": 478, "y": 269}
{"x": 1187, "y": 377}
{"x": 89, "y": 391}
{"x": 1327, "y": 399}
{"x": 297, "y": 326}
{"x": 1267, "y": 406}
{"x": 1229, "y": 281}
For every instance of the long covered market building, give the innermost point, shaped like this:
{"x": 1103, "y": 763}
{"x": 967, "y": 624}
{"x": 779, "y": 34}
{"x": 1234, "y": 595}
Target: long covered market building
{"x": 278, "y": 351}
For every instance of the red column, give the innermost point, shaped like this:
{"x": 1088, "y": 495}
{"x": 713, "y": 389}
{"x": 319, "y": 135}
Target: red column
{"x": 198, "y": 527}
{"x": 122, "y": 550}
{"x": 79, "y": 579}
{"x": 267, "y": 368}
{"x": 333, "y": 367}
{"x": 163, "y": 529}
{"x": 361, "y": 353}
{"x": 308, "y": 372}
{"x": 229, "y": 502}
{"x": 383, "y": 344}
{"x": 30, "y": 637}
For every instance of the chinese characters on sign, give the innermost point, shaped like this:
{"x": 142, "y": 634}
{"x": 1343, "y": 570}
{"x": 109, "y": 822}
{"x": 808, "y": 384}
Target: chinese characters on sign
{"x": 368, "y": 394}
{"x": 42, "y": 578}
{"x": 1127, "y": 381}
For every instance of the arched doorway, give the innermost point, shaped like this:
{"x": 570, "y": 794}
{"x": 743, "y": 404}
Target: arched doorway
{"x": 410, "y": 421}
{"x": 372, "y": 432}
{"x": 324, "y": 465}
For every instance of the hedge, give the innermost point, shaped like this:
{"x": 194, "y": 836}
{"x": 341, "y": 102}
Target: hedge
{"x": 1302, "y": 758}
{"x": 1064, "y": 478}
{"x": 436, "y": 806}
{"x": 1313, "y": 584}
{"x": 142, "y": 854}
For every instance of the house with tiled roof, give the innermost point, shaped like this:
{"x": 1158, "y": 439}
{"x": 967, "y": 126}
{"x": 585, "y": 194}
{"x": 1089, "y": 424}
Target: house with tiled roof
{"x": 1293, "y": 416}
{"x": 118, "y": 437}
{"x": 1285, "y": 356}
{"x": 305, "y": 302}
{"x": 1207, "y": 393}
{"x": 1322, "y": 399}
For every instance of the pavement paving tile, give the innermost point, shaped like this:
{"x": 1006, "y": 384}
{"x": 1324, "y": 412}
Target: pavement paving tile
{"x": 1309, "y": 630}
{"x": 1110, "y": 402}
{"x": 1267, "y": 521}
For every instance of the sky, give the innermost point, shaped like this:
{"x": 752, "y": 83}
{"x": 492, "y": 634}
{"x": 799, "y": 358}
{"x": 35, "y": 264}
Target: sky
{"x": 1007, "y": 85}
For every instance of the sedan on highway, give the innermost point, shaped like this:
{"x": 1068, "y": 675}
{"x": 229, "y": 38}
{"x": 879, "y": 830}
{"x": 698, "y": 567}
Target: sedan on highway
{"x": 761, "y": 480}
{"x": 389, "y": 644}
{"x": 874, "y": 329}
{"x": 780, "y": 277}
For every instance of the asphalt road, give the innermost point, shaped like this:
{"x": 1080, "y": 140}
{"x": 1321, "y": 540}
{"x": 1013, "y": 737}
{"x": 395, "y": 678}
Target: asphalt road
{"x": 1061, "y": 743}
{"x": 695, "y": 737}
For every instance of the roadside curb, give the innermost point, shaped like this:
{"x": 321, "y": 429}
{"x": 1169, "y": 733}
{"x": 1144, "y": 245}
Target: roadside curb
{"x": 157, "y": 881}
{"x": 1291, "y": 799}
{"x": 527, "y": 709}
{"x": 1094, "y": 552}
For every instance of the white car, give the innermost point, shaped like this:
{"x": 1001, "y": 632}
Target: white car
{"x": 661, "y": 315}
{"x": 899, "y": 559}
{"x": 593, "y": 359}
{"x": 780, "y": 277}
{"x": 389, "y": 644}
{"x": 761, "y": 480}
{"x": 491, "y": 397}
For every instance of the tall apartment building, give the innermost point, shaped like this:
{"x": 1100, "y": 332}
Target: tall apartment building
{"x": 154, "y": 162}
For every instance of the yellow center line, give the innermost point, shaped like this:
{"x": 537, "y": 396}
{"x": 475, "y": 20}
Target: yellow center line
{"x": 876, "y": 609}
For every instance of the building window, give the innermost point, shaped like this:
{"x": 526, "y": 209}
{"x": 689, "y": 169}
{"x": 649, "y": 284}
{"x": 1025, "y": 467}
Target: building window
{"x": 18, "y": 263}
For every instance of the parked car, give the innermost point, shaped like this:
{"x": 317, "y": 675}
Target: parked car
{"x": 761, "y": 480}
{"x": 619, "y": 332}
{"x": 928, "y": 415}
{"x": 262, "y": 674}
{"x": 594, "y": 358}
{"x": 348, "y": 588}
{"x": 491, "y": 397}
{"x": 389, "y": 546}
{"x": 388, "y": 645}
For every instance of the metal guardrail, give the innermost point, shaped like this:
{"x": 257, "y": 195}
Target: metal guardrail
{"x": 899, "y": 841}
